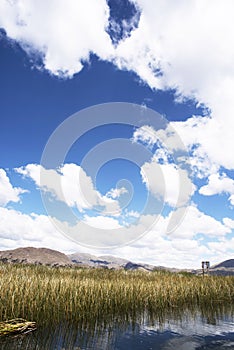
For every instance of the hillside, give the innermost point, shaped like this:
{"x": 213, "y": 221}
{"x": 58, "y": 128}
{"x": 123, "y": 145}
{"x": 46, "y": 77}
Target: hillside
{"x": 225, "y": 264}
{"x": 45, "y": 256}
{"x": 225, "y": 268}
{"x": 89, "y": 260}
{"x": 30, "y": 255}
{"x": 112, "y": 262}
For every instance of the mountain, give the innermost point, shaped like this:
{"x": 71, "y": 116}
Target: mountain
{"x": 30, "y": 255}
{"x": 226, "y": 264}
{"x": 225, "y": 268}
{"x": 44, "y": 256}
{"x": 105, "y": 261}
{"x": 112, "y": 262}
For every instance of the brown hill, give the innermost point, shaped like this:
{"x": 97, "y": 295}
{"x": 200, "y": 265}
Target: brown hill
{"x": 112, "y": 262}
{"x": 44, "y": 256}
{"x": 226, "y": 264}
{"x": 30, "y": 255}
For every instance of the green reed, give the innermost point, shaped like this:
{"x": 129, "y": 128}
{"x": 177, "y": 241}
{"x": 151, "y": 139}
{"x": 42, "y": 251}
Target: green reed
{"x": 45, "y": 294}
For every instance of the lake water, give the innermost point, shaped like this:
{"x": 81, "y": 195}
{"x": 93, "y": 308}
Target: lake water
{"x": 185, "y": 331}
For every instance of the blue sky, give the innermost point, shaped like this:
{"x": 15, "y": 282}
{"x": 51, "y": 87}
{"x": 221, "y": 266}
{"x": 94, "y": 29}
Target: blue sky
{"x": 137, "y": 52}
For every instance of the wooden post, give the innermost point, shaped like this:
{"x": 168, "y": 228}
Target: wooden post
{"x": 203, "y": 268}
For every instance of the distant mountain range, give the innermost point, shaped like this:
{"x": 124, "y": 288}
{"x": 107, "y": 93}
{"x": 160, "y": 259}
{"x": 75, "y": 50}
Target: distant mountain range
{"x": 44, "y": 256}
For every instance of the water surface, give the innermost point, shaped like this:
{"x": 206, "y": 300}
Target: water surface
{"x": 185, "y": 331}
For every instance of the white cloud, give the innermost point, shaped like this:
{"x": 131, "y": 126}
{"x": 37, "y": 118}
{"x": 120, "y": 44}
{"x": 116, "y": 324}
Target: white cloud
{"x": 168, "y": 182}
{"x": 164, "y": 178}
{"x": 182, "y": 248}
{"x": 132, "y": 213}
{"x": 32, "y": 171}
{"x": 146, "y": 134}
{"x": 179, "y": 250}
{"x": 186, "y": 46}
{"x": 116, "y": 192}
{"x": 63, "y": 33}
{"x": 203, "y": 137}
{"x": 102, "y": 222}
{"x": 196, "y": 222}
{"x": 222, "y": 248}
{"x": 192, "y": 44}
{"x": 71, "y": 185}
{"x": 218, "y": 184}
{"x": 8, "y": 193}
{"x": 17, "y": 230}
{"x": 167, "y": 139}
{"x": 228, "y": 222}
{"x": 79, "y": 190}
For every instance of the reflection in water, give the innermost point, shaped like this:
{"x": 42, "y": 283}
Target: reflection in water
{"x": 187, "y": 330}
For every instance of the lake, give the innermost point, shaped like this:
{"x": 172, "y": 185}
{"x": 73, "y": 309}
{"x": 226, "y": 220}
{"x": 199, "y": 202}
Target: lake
{"x": 187, "y": 330}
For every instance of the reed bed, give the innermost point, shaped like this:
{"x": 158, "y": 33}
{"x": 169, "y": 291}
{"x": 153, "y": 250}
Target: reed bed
{"x": 44, "y": 294}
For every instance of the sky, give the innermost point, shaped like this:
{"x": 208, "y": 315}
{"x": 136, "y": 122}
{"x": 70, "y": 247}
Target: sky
{"x": 117, "y": 128}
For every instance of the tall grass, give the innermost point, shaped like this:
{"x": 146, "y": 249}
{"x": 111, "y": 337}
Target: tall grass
{"x": 44, "y": 294}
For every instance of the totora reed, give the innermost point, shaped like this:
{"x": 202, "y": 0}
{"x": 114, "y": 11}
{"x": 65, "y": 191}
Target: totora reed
{"x": 45, "y": 294}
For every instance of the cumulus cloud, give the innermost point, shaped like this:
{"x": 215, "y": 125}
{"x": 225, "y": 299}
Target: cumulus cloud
{"x": 192, "y": 54}
{"x": 196, "y": 222}
{"x": 62, "y": 33}
{"x": 168, "y": 182}
{"x": 168, "y": 139}
{"x": 132, "y": 213}
{"x": 218, "y": 184}
{"x": 18, "y": 229}
{"x": 180, "y": 249}
{"x": 8, "y": 193}
{"x": 222, "y": 248}
{"x": 185, "y": 46}
{"x": 116, "y": 192}
{"x": 229, "y": 222}
{"x": 164, "y": 175}
{"x": 70, "y": 184}
{"x": 146, "y": 134}
{"x": 203, "y": 137}
{"x": 101, "y": 222}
